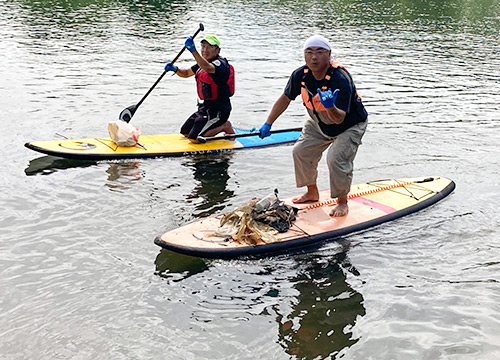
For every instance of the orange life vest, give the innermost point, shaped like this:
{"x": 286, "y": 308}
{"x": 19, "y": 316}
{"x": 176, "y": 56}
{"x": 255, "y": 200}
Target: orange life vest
{"x": 208, "y": 89}
{"x": 311, "y": 100}
{"x": 317, "y": 111}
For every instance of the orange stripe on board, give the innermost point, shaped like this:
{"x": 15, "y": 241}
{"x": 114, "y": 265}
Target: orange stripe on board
{"x": 355, "y": 195}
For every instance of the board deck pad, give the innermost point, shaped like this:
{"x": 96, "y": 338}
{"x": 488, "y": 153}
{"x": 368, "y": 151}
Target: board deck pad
{"x": 152, "y": 146}
{"x": 370, "y": 204}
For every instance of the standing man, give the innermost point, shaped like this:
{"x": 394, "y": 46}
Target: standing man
{"x": 215, "y": 85}
{"x": 337, "y": 122}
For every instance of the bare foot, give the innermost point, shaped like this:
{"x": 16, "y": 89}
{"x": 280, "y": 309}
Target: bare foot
{"x": 305, "y": 198}
{"x": 341, "y": 209}
{"x": 228, "y": 128}
{"x": 311, "y": 195}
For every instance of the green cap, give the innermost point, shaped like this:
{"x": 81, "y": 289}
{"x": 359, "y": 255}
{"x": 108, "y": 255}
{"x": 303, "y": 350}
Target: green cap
{"x": 211, "y": 39}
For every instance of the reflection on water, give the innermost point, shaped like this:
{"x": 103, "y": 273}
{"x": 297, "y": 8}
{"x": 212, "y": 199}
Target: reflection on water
{"x": 123, "y": 174}
{"x": 177, "y": 267}
{"x": 428, "y": 70}
{"x": 46, "y": 165}
{"x": 325, "y": 311}
{"x": 55, "y": 19}
{"x": 211, "y": 175}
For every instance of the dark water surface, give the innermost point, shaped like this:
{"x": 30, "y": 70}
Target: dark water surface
{"x": 80, "y": 277}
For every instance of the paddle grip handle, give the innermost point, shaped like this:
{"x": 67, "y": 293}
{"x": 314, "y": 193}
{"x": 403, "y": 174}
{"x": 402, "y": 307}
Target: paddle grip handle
{"x": 200, "y": 28}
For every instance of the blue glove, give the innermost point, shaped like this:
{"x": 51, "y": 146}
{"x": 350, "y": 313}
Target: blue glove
{"x": 171, "y": 67}
{"x": 328, "y": 98}
{"x": 265, "y": 130}
{"x": 189, "y": 44}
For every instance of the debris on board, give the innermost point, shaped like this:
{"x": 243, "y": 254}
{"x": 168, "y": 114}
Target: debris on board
{"x": 257, "y": 221}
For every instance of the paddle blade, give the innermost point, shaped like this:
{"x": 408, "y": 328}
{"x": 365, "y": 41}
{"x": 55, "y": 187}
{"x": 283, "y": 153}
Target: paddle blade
{"x": 126, "y": 114}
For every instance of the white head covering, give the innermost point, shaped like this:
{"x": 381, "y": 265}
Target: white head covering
{"x": 317, "y": 41}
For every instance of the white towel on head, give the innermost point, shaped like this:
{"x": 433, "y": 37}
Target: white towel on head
{"x": 317, "y": 41}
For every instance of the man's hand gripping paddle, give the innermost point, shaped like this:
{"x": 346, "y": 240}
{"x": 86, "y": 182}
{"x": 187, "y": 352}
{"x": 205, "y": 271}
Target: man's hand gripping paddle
{"x": 127, "y": 113}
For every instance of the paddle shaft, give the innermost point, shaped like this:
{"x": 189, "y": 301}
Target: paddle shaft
{"x": 202, "y": 139}
{"x": 164, "y": 72}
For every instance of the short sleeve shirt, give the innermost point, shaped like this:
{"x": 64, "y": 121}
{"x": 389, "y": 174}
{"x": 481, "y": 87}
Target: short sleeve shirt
{"x": 347, "y": 99}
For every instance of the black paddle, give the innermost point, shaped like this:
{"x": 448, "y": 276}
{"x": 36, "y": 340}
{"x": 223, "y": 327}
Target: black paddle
{"x": 203, "y": 140}
{"x": 127, "y": 113}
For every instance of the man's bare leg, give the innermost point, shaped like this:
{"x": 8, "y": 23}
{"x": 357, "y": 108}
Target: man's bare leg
{"x": 227, "y": 128}
{"x": 311, "y": 195}
{"x": 341, "y": 209}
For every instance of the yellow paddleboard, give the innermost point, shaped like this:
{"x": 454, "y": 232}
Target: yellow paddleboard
{"x": 151, "y": 146}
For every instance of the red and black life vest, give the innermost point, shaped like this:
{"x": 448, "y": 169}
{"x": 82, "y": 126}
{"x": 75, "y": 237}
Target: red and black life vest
{"x": 208, "y": 89}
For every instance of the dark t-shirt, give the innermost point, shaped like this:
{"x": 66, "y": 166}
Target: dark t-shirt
{"x": 347, "y": 98}
{"x": 220, "y": 77}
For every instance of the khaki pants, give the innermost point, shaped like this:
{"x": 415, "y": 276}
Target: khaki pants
{"x": 342, "y": 150}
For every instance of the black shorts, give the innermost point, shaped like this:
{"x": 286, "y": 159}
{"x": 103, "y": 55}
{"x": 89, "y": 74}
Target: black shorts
{"x": 203, "y": 120}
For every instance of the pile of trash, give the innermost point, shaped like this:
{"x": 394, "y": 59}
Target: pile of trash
{"x": 257, "y": 221}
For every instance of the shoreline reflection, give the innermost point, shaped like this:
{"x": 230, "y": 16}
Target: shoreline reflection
{"x": 320, "y": 320}
{"x": 211, "y": 174}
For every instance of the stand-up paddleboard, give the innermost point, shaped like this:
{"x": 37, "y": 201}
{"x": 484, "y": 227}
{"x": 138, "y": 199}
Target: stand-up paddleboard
{"x": 152, "y": 146}
{"x": 370, "y": 204}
